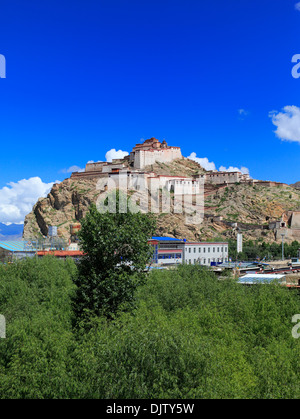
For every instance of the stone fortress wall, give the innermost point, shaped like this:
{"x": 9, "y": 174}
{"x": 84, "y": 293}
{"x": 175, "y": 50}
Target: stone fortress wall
{"x": 143, "y": 158}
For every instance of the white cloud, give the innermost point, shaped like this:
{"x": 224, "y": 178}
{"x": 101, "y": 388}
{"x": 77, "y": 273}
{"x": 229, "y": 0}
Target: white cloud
{"x": 297, "y": 6}
{"x": 243, "y": 170}
{"x": 114, "y": 154}
{"x": 72, "y": 169}
{"x": 203, "y": 161}
{"x": 18, "y": 198}
{"x": 207, "y": 165}
{"x": 287, "y": 123}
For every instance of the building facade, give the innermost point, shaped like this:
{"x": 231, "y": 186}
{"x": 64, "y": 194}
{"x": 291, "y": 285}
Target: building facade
{"x": 205, "y": 253}
{"x": 169, "y": 251}
{"x": 152, "y": 151}
{"x": 219, "y": 178}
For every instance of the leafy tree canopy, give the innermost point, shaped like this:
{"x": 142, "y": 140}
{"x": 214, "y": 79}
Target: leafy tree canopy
{"x": 117, "y": 253}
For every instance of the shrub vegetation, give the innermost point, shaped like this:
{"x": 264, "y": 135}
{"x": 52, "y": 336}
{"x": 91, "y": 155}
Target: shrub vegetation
{"x": 191, "y": 335}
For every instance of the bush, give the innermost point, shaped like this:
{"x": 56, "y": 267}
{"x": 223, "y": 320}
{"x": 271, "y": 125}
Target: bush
{"x": 190, "y": 336}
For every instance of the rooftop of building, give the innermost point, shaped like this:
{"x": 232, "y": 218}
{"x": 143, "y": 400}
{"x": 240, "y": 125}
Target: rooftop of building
{"x": 60, "y": 253}
{"x": 261, "y": 278}
{"x": 167, "y": 239}
{"x": 17, "y": 246}
{"x": 152, "y": 144}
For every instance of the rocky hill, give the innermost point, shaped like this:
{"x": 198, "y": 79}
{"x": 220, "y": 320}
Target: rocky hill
{"x": 247, "y": 207}
{"x": 296, "y": 185}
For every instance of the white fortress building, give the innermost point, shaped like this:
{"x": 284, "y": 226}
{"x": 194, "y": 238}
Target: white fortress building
{"x": 219, "y": 178}
{"x": 137, "y": 168}
{"x": 152, "y": 151}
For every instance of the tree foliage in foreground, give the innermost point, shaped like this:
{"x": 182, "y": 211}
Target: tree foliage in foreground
{"x": 117, "y": 252}
{"x": 190, "y": 336}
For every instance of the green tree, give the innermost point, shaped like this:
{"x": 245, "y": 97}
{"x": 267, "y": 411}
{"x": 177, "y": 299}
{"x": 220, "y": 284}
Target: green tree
{"x": 116, "y": 255}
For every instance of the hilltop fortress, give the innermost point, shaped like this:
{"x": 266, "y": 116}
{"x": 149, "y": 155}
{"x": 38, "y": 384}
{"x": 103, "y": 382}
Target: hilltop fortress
{"x": 152, "y": 151}
{"x": 232, "y": 200}
{"x": 142, "y": 155}
{"x": 139, "y": 164}
{"x": 137, "y": 167}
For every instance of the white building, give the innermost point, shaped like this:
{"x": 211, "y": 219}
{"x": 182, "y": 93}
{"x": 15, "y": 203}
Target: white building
{"x": 220, "y": 178}
{"x": 205, "y": 253}
{"x": 152, "y": 151}
{"x": 170, "y": 251}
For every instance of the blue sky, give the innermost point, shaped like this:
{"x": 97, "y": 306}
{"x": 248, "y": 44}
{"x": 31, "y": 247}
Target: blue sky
{"x": 84, "y": 77}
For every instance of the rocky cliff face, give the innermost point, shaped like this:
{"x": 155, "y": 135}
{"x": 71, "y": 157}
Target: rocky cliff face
{"x": 296, "y": 185}
{"x": 248, "y": 207}
{"x": 67, "y": 203}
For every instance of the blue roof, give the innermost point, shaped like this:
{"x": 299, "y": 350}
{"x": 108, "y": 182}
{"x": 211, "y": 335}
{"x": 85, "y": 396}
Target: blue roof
{"x": 17, "y": 246}
{"x": 166, "y": 239}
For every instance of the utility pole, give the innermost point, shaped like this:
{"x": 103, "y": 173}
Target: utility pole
{"x": 282, "y": 235}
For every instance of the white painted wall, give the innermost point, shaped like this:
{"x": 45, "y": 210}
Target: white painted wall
{"x": 205, "y": 253}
